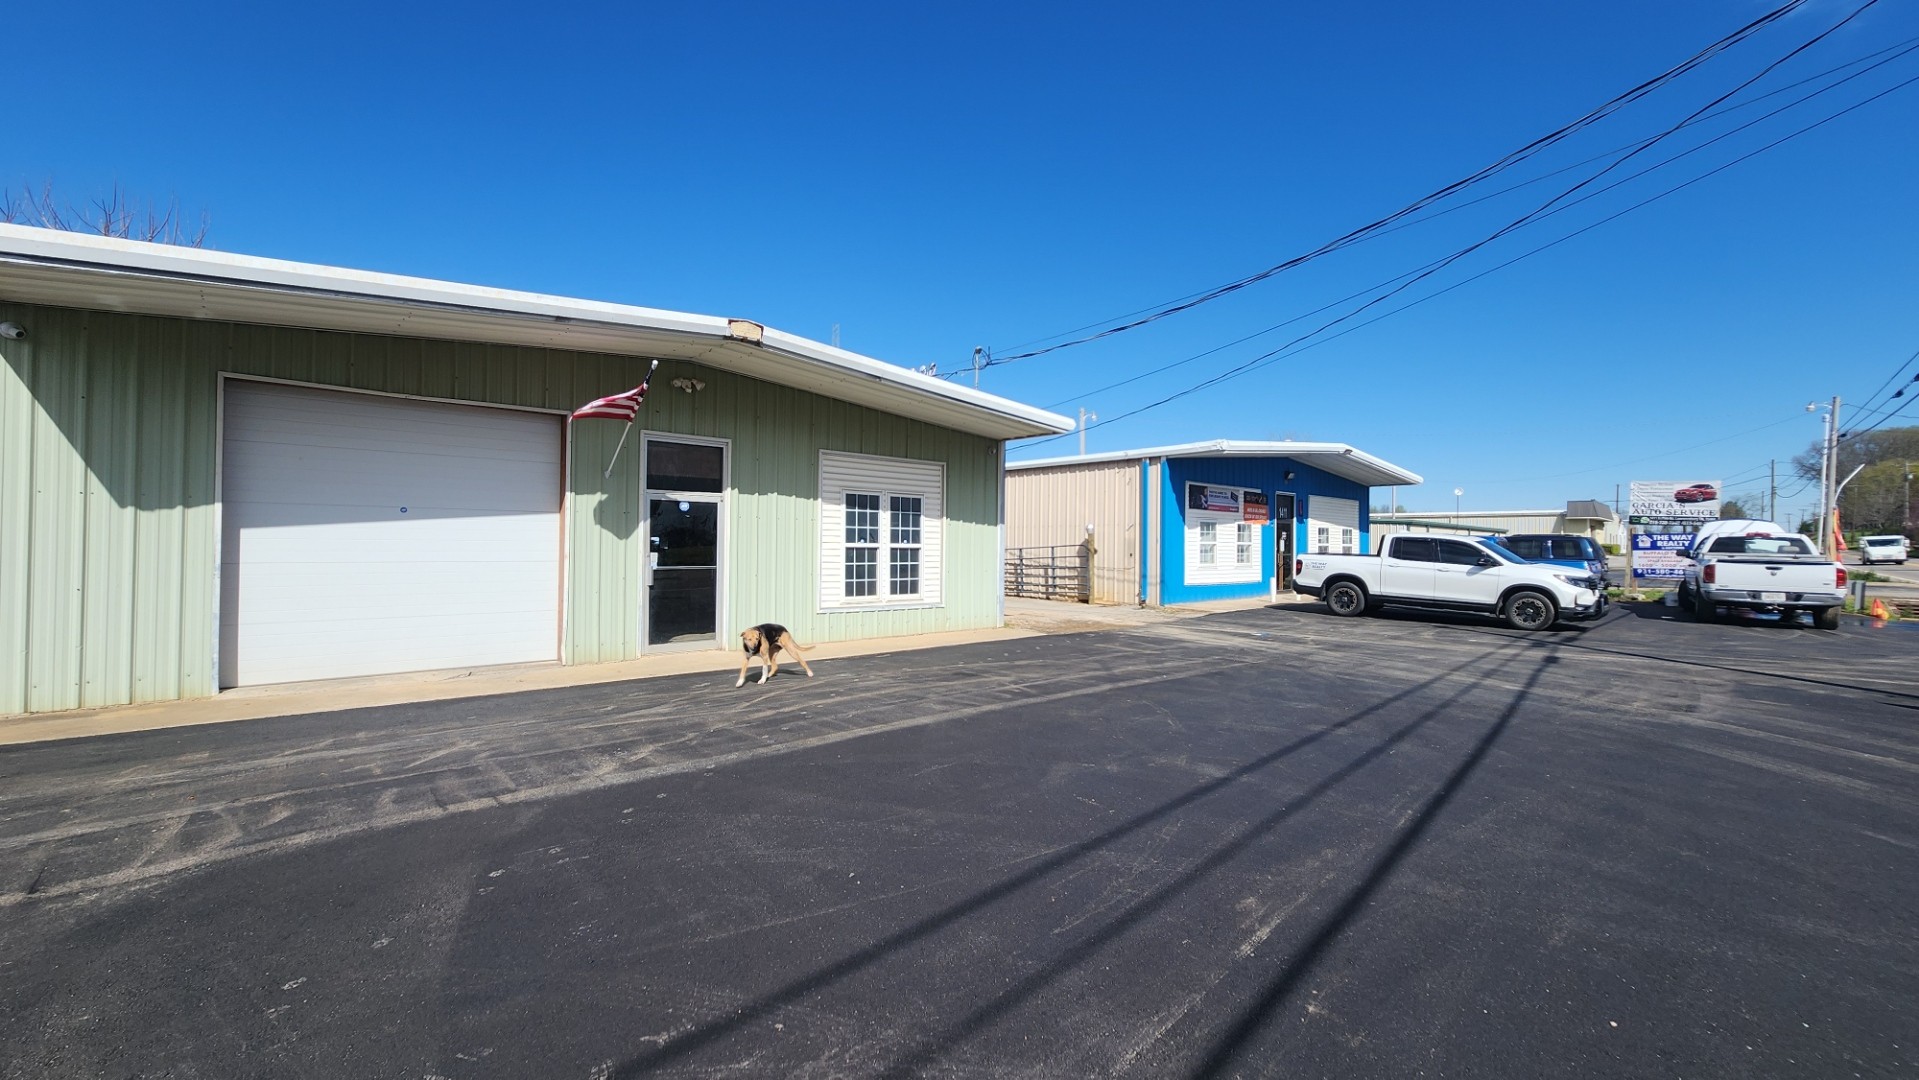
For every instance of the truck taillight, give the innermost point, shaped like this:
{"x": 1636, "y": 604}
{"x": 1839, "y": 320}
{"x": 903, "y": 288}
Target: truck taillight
{"x": 1706, "y": 574}
{"x": 1299, "y": 567}
{"x": 1840, "y": 573}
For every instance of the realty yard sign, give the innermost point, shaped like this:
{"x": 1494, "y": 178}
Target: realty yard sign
{"x": 1656, "y": 555}
{"x": 1674, "y": 502}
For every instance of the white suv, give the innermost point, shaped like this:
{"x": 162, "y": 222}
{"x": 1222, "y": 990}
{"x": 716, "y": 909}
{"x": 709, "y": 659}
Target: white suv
{"x": 1874, "y": 549}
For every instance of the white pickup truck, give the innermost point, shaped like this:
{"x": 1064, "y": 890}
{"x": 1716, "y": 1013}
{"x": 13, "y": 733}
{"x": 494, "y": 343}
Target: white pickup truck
{"x": 1457, "y": 574}
{"x": 1741, "y": 564}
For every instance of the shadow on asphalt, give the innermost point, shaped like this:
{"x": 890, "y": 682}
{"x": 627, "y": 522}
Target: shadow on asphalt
{"x": 1271, "y": 998}
{"x": 1429, "y": 616}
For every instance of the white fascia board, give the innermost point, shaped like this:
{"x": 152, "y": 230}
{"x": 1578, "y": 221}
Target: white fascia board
{"x": 204, "y": 277}
{"x": 1339, "y": 459}
{"x": 1442, "y": 514}
{"x": 809, "y": 350}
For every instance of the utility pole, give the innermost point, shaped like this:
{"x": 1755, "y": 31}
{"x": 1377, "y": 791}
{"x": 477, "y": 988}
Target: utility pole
{"x": 1828, "y": 468}
{"x": 1772, "y": 493}
{"x": 1083, "y": 417}
{"x": 1905, "y": 511}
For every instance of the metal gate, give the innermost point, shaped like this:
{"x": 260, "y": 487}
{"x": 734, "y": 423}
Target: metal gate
{"x": 1055, "y": 572}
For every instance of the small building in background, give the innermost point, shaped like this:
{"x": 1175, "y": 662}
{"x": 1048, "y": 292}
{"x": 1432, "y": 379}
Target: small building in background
{"x": 1218, "y": 520}
{"x": 1581, "y": 517}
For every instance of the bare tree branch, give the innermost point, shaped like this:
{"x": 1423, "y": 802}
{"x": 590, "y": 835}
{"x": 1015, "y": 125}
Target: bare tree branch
{"x": 114, "y": 214}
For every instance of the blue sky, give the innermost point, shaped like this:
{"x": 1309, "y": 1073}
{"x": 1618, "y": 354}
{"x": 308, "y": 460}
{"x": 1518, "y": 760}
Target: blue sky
{"x": 931, "y": 179}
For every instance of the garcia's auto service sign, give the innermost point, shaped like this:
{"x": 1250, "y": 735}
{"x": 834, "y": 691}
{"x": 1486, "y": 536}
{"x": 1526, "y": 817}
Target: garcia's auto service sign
{"x": 1674, "y": 502}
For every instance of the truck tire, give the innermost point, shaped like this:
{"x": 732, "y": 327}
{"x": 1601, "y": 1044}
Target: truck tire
{"x": 1826, "y": 618}
{"x": 1346, "y": 598}
{"x": 1530, "y": 610}
{"x": 1704, "y": 610}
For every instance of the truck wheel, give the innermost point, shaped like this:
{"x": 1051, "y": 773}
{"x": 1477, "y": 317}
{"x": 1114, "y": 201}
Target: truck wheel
{"x": 1826, "y": 618}
{"x": 1703, "y": 609}
{"x": 1346, "y": 598}
{"x": 1529, "y": 610}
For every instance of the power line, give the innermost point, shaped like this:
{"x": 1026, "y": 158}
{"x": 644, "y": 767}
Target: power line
{"x": 1901, "y": 48}
{"x": 1607, "y": 109}
{"x": 1282, "y": 351}
{"x": 1897, "y": 372}
{"x": 1437, "y": 263}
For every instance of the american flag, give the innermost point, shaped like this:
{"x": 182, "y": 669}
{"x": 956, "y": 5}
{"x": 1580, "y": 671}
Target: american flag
{"x": 618, "y": 406}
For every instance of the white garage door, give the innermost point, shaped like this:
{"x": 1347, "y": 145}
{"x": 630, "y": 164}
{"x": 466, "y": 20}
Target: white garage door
{"x": 362, "y": 535}
{"x": 1332, "y": 525}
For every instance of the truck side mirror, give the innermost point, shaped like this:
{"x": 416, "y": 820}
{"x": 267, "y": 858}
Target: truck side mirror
{"x": 1487, "y": 560}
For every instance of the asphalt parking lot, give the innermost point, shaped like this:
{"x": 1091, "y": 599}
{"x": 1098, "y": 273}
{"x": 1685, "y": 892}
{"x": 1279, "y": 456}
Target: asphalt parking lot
{"x": 1264, "y": 843}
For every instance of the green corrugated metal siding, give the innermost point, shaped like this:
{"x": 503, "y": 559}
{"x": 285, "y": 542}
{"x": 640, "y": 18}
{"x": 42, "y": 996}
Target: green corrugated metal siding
{"x": 108, "y": 438}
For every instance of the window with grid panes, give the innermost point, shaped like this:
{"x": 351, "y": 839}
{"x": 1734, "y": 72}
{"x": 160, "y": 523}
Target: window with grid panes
{"x": 903, "y": 576}
{"x": 862, "y": 544}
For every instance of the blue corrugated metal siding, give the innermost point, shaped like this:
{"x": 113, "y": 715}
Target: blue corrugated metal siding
{"x": 108, "y": 452}
{"x": 1262, "y": 474}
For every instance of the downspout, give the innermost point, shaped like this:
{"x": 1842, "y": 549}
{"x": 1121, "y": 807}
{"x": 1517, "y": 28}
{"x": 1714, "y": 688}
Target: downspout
{"x": 1155, "y": 469}
{"x": 999, "y": 569}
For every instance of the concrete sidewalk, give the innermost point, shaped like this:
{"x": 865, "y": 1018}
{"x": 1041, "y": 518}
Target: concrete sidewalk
{"x": 1024, "y": 618}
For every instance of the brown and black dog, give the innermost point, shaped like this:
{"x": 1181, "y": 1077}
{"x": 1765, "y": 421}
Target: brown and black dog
{"x": 765, "y": 641}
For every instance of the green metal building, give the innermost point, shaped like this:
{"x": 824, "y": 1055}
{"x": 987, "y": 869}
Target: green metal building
{"x": 218, "y": 471}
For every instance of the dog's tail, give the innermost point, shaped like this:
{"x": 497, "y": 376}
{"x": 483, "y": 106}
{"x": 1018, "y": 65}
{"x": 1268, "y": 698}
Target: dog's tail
{"x": 786, "y": 642}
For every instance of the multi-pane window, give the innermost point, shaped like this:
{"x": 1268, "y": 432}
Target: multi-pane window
{"x": 1244, "y": 549}
{"x": 862, "y": 544}
{"x": 882, "y": 521}
{"x": 903, "y": 576}
{"x": 1208, "y": 543}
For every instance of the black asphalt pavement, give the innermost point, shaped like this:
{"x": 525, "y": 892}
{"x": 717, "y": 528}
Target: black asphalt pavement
{"x": 1269, "y": 843}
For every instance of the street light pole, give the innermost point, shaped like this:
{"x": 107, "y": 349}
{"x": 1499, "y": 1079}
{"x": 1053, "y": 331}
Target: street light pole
{"x": 1828, "y": 469}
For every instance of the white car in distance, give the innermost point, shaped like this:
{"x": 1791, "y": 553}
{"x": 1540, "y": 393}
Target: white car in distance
{"x": 1878, "y": 549}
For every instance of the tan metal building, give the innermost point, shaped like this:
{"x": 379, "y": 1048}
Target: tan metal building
{"x": 1094, "y": 505}
{"x": 1581, "y": 517}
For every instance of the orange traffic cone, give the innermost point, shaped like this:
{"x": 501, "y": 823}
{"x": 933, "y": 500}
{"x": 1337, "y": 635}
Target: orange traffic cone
{"x": 1878, "y": 609}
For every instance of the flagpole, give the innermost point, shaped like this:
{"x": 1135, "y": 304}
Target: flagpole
{"x": 616, "y": 450}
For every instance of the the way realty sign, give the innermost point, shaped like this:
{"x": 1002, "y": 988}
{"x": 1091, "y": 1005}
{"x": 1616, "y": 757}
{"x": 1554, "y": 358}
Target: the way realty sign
{"x": 1674, "y": 502}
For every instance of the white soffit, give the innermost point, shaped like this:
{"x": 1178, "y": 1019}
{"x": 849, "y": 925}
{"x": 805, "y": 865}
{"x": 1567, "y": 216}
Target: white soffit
{"x": 60, "y": 269}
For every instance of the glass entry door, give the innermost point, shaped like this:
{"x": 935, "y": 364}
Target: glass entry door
{"x": 682, "y": 586}
{"x": 1284, "y": 506}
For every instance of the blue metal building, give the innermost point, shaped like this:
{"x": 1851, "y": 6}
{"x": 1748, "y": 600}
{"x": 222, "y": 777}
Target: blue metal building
{"x": 1218, "y": 520}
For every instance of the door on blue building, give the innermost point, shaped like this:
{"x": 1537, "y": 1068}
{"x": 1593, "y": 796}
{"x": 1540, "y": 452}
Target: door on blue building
{"x": 1283, "y": 518}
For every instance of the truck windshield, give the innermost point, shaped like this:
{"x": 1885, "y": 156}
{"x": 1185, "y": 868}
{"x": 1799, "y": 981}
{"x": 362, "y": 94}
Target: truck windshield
{"x": 1761, "y": 545}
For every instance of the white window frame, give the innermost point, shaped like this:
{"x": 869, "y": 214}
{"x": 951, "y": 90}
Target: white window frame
{"x": 1234, "y": 542}
{"x": 887, "y": 479}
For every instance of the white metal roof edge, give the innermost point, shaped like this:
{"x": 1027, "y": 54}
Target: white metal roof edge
{"x": 1301, "y": 450}
{"x": 808, "y": 349}
{"x": 1443, "y": 514}
{"x": 110, "y": 255}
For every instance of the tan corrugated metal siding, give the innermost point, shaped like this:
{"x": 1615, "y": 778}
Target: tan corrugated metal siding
{"x": 108, "y": 437}
{"x": 1054, "y": 506}
{"x": 1600, "y": 531}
